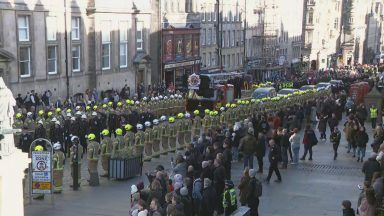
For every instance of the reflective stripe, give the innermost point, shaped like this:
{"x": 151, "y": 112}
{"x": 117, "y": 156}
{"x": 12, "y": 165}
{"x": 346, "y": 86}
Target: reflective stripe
{"x": 373, "y": 112}
{"x": 232, "y": 194}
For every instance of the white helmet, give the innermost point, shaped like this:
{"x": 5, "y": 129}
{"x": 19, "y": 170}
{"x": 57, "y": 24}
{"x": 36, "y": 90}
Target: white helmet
{"x": 78, "y": 113}
{"x": 29, "y": 114}
{"x": 147, "y": 124}
{"x": 144, "y": 98}
{"x": 165, "y": 98}
{"x": 163, "y": 118}
{"x": 57, "y": 146}
{"x": 69, "y": 115}
{"x": 152, "y": 98}
{"x": 179, "y": 96}
{"x": 94, "y": 113}
{"x": 83, "y": 116}
{"x": 160, "y": 97}
{"x": 187, "y": 115}
{"x": 73, "y": 138}
{"x": 222, "y": 109}
{"x": 57, "y": 122}
{"x": 40, "y": 121}
{"x": 73, "y": 118}
{"x": 156, "y": 98}
{"x": 137, "y": 102}
{"x": 172, "y": 96}
{"x": 77, "y": 107}
{"x": 155, "y": 121}
{"x": 54, "y": 119}
{"x": 139, "y": 126}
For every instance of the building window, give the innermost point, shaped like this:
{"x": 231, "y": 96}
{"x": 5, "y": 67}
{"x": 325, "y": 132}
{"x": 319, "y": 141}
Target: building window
{"x": 204, "y": 60}
{"x": 213, "y": 37}
{"x": 336, "y": 23}
{"x": 203, "y": 16}
{"x": 229, "y": 61}
{"x": 233, "y": 37}
{"x": 76, "y": 58}
{"x": 25, "y": 61}
{"x": 106, "y": 45}
{"x": 228, "y": 38}
{"x": 188, "y": 6}
{"x": 23, "y": 28}
{"x": 233, "y": 60}
{"x": 213, "y": 60}
{"x": 310, "y": 17}
{"x": 203, "y": 37}
{"x": 209, "y": 59}
{"x": 123, "y": 47}
{"x": 224, "y": 63}
{"x": 214, "y": 12}
{"x": 75, "y": 28}
{"x": 209, "y": 37}
{"x": 223, "y": 39}
{"x": 238, "y": 59}
{"x": 51, "y": 28}
{"x": 139, "y": 35}
{"x": 52, "y": 60}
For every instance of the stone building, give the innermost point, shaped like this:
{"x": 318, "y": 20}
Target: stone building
{"x": 91, "y": 44}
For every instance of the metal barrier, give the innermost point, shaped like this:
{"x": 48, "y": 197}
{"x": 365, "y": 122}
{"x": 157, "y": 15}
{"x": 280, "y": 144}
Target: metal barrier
{"x": 122, "y": 169}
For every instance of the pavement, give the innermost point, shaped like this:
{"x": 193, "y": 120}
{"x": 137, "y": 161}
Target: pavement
{"x": 310, "y": 188}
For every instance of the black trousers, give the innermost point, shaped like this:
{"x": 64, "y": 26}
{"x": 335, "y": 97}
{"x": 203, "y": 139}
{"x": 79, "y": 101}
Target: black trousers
{"x": 307, "y": 148}
{"x": 335, "y": 147}
{"x": 273, "y": 167}
{"x": 254, "y": 206}
{"x": 260, "y": 162}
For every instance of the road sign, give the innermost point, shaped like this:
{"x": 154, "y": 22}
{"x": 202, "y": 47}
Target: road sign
{"x": 41, "y": 172}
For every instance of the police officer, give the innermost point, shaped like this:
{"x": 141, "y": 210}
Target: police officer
{"x": 95, "y": 126}
{"x": 106, "y": 150}
{"x": 58, "y": 167}
{"x": 229, "y": 198}
{"x": 373, "y": 115}
{"x": 83, "y": 131}
{"x": 93, "y": 159}
{"x": 57, "y": 134}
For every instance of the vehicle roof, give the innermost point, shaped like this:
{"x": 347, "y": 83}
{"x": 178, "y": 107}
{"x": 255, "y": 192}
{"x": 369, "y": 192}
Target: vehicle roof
{"x": 327, "y": 83}
{"x": 264, "y": 89}
{"x": 289, "y": 89}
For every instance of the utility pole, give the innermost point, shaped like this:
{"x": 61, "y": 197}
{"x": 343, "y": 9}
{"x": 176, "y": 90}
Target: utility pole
{"x": 66, "y": 48}
{"x": 244, "y": 35}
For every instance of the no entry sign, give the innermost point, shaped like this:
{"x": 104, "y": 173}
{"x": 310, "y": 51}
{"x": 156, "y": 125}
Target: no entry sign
{"x": 41, "y": 172}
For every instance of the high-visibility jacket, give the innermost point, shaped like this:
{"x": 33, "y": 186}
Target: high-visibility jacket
{"x": 373, "y": 112}
{"x": 232, "y": 195}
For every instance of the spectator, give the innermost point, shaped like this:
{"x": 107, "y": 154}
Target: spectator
{"x": 378, "y": 187}
{"x": 335, "y": 139}
{"x": 273, "y": 160}
{"x": 260, "y": 151}
{"x": 347, "y": 210}
{"x": 181, "y": 166}
{"x": 309, "y": 141}
{"x": 368, "y": 203}
{"x": 219, "y": 182}
{"x": 155, "y": 209}
{"x": 254, "y": 193}
{"x": 243, "y": 186}
{"x": 295, "y": 145}
{"x": 210, "y": 198}
{"x": 370, "y": 166}
{"x": 361, "y": 138}
{"x": 247, "y": 147}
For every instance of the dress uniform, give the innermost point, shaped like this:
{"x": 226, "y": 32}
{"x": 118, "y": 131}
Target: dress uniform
{"x": 118, "y": 143}
{"x": 148, "y": 141}
{"x": 156, "y": 137}
{"x": 172, "y": 134}
{"x": 196, "y": 123}
{"x": 206, "y": 121}
{"x": 83, "y": 131}
{"x": 58, "y": 168}
{"x": 39, "y": 117}
{"x": 106, "y": 150}
{"x": 180, "y": 130}
{"x": 40, "y": 131}
{"x": 164, "y": 133}
{"x": 95, "y": 126}
{"x": 76, "y": 155}
{"x": 93, "y": 159}
{"x": 29, "y": 123}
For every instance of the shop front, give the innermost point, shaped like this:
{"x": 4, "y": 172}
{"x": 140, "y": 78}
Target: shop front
{"x": 180, "y": 56}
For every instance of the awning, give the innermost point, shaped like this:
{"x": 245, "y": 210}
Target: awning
{"x": 141, "y": 58}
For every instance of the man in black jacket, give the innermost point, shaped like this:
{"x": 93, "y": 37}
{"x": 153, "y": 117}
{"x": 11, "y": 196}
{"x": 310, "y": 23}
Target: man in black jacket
{"x": 273, "y": 160}
{"x": 219, "y": 182}
{"x": 210, "y": 198}
{"x": 253, "y": 194}
{"x": 370, "y": 166}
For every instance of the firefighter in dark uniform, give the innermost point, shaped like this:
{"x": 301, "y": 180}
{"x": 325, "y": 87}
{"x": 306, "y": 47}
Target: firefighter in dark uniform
{"x": 164, "y": 135}
{"x": 67, "y": 133}
{"x": 196, "y": 123}
{"x": 95, "y": 126}
{"x": 57, "y": 133}
{"x": 180, "y": 130}
{"x": 155, "y": 133}
{"x": 83, "y": 131}
{"x": 40, "y": 131}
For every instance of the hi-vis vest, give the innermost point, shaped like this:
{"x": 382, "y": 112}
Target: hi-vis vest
{"x": 373, "y": 112}
{"x": 232, "y": 194}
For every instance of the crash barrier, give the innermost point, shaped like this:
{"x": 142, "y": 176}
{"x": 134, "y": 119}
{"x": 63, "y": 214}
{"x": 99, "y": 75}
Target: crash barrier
{"x": 242, "y": 211}
{"x": 122, "y": 169}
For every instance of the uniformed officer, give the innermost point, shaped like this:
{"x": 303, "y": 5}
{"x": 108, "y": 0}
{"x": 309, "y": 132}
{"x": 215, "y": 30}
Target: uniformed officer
{"x": 129, "y": 137}
{"x": 206, "y": 121}
{"x": 139, "y": 140}
{"x": 29, "y": 122}
{"x": 58, "y": 115}
{"x": 76, "y": 155}
{"x": 95, "y": 125}
{"x": 93, "y": 159}
{"x": 180, "y": 130}
{"x": 40, "y": 116}
{"x": 196, "y": 123}
{"x": 18, "y": 124}
{"x": 148, "y": 141}
{"x": 187, "y": 129}
{"x": 172, "y": 134}
{"x": 83, "y": 131}
{"x": 106, "y": 150}
{"x": 164, "y": 134}
{"x": 156, "y": 138}
{"x": 229, "y": 198}
{"x": 58, "y": 167}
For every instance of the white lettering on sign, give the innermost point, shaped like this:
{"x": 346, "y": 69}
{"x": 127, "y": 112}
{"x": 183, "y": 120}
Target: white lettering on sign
{"x": 41, "y": 172}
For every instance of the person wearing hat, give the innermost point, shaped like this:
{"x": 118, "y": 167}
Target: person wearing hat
{"x": 40, "y": 116}
{"x": 58, "y": 167}
{"x": 187, "y": 126}
{"x": 83, "y": 131}
{"x": 254, "y": 191}
{"x": 139, "y": 140}
{"x": 164, "y": 135}
{"x": 187, "y": 201}
{"x": 247, "y": 147}
{"x": 196, "y": 128}
{"x": 209, "y": 200}
{"x": 106, "y": 150}
{"x": 180, "y": 130}
{"x": 172, "y": 134}
{"x": 118, "y": 142}
{"x": 76, "y": 155}
{"x": 29, "y": 122}
{"x": 156, "y": 138}
{"x": 56, "y": 133}
{"x": 40, "y": 131}
{"x": 93, "y": 159}
{"x": 148, "y": 141}
{"x": 229, "y": 198}
{"x": 129, "y": 136}
{"x": 17, "y": 124}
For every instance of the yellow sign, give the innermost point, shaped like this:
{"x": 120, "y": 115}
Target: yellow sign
{"x": 41, "y": 187}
